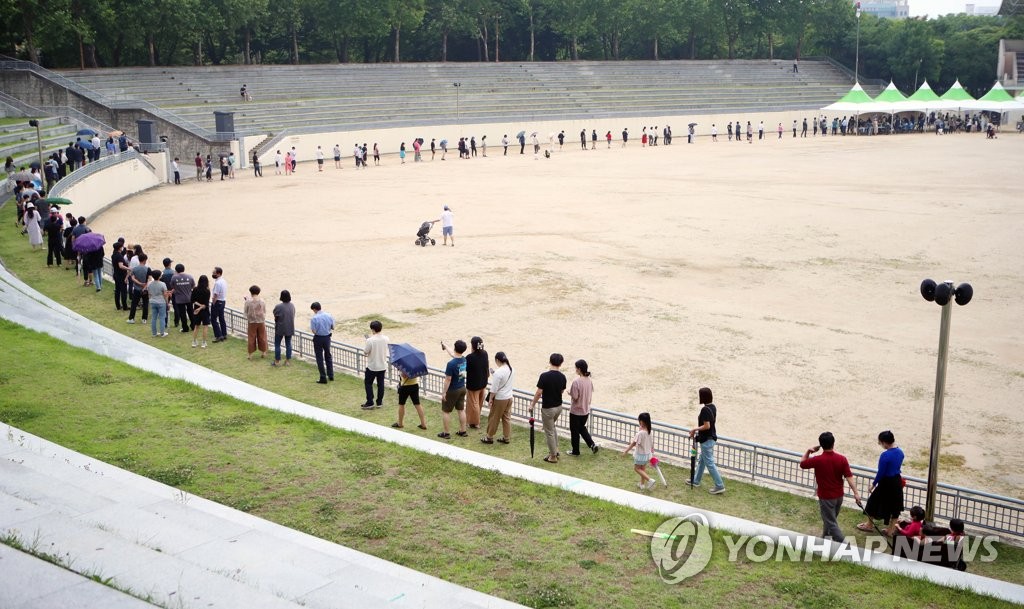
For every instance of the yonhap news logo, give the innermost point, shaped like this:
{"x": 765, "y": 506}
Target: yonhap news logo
{"x": 681, "y": 548}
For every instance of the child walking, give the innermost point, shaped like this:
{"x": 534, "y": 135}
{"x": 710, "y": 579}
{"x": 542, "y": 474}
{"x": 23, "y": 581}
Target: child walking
{"x": 644, "y": 444}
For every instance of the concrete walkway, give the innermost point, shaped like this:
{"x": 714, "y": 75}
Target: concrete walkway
{"x": 21, "y": 304}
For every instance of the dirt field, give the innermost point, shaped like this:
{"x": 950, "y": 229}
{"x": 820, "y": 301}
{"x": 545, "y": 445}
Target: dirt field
{"x": 784, "y": 275}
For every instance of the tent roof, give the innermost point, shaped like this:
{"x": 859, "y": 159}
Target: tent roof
{"x": 957, "y": 93}
{"x": 890, "y": 94}
{"x": 856, "y": 95}
{"x": 996, "y": 94}
{"x": 924, "y": 94}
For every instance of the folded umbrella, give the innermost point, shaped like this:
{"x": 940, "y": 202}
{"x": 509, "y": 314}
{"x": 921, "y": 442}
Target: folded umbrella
{"x": 89, "y": 242}
{"x": 693, "y": 459}
{"x": 532, "y": 437}
{"x": 654, "y": 464}
{"x": 409, "y": 360}
{"x": 22, "y": 176}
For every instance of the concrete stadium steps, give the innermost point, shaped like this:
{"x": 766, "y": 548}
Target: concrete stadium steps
{"x": 356, "y": 95}
{"x": 180, "y": 550}
{"x": 20, "y": 142}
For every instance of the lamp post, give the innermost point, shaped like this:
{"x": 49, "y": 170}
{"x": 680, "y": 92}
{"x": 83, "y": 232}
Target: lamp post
{"x": 942, "y": 294}
{"x": 458, "y": 121}
{"x": 39, "y": 143}
{"x": 856, "y": 61}
{"x": 916, "y": 70}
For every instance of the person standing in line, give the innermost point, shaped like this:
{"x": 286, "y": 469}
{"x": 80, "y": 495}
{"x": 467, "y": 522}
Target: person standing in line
{"x": 433, "y": 153}
{"x": 644, "y": 444}
{"x": 231, "y": 165}
{"x": 522, "y": 143}
{"x": 138, "y": 278}
{"x": 794, "y": 127}
{"x": 583, "y": 139}
{"x": 177, "y": 171}
{"x": 376, "y": 352}
{"x": 815, "y": 121}
{"x": 536, "y": 145}
{"x": 209, "y": 168}
{"x": 550, "y": 386}
{"x": 295, "y": 159}
{"x": 707, "y": 435}
{"x": 158, "y": 296}
{"x": 750, "y": 133}
{"x": 593, "y": 139}
{"x": 256, "y": 316}
{"x": 625, "y": 137}
{"x": 182, "y": 285}
{"x": 33, "y": 224}
{"x": 500, "y": 406}
{"x": 337, "y": 156}
{"x": 580, "y": 394}
{"x": 199, "y": 167}
{"x": 401, "y": 153}
{"x": 803, "y": 132}
{"x": 739, "y": 132}
{"x": 886, "y": 499}
{"x": 376, "y": 155}
{"x": 54, "y": 229}
{"x": 472, "y": 145}
{"x": 714, "y": 133}
{"x": 288, "y": 163}
{"x": 504, "y": 144}
{"x": 454, "y": 391}
{"x": 483, "y": 145}
{"x": 780, "y": 131}
{"x": 760, "y": 131}
{"x": 728, "y": 130}
{"x": 608, "y": 137}
{"x": 120, "y": 266}
{"x": 477, "y": 372}
{"x": 830, "y": 469}
{"x": 447, "y": 221}
{"x": 561, "y": 138}
{"x": 257, "y": 167}
{"x": 223, "y": 168}
{"x": 643, "y": 138}
{"x": 200, "y": 309}
{"x": 409, "y": 389}
{"x": 319, "y": 159}
{"x": 322, "y": 326}
{"x": 284, "y": 328}
{"x": 219, "y": 300}
{"x": 416, "y": 150}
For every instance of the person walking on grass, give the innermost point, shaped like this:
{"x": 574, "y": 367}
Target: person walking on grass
{"x": 454, "y": 391}
{"x": 643, "y": 442}
{"x": 200, "y": 302}
{"x": 550, "y": 386}
{"x": 707, "y": 436}
{"x": 322, "y": 326}
{"x": 830, "y": 469}
{"x": 284, "y": 328}
{"x": 376, "y": 352}
{"x": 886, "y": 499}
{"x": 477, "y": 372}
{"x": 501, "y": 401}
{"x": 256, "y": 316}
{"x": 409, "y": 389}
{"x": 580, "y": 394}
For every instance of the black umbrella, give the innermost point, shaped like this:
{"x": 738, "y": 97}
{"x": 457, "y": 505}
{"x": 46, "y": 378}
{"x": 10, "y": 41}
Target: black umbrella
{"x": 692, "y": 125}
{"x": 22, "y": 176}
{"x": 693, "y": 459}
{"x": 532, "y": 436}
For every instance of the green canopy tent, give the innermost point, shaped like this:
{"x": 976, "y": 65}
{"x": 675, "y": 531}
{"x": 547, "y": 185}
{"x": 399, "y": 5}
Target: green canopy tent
{"x": 957, "y": 98}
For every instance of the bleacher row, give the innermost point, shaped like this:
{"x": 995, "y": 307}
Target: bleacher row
{"x": 18, "y": 139}
{"x": 357, "y": 95}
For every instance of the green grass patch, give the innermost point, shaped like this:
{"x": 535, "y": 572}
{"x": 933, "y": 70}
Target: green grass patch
{"x": 441, "y": 308}
{"x": 361, "y": 325}
{"x": 532, "y": 544}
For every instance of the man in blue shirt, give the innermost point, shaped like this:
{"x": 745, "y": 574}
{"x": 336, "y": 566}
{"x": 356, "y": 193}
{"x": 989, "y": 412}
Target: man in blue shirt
{"x": 454, "y": 393}
{"x": 322, "y": 326}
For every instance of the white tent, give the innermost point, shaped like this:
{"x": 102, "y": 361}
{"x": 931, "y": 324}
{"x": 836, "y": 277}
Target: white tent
{"x": 856, "y": 101}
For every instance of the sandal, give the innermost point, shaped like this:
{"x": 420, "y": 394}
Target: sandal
{"x": 867, "y": 528}
{"x": 444, "y": 435}
{"x": 550, "y": 460}
{"x": 461, "y": 434}
{"x": 504, "y": 440}
{"x": 422, "y": 426}
{"x": 396, "y": 425}
{"x": 487, "y": 440}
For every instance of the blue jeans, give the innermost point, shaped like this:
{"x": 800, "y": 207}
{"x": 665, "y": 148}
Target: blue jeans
{"x": 158, "y": 316}
{"x": 97, "y": 278}
{"x": 707, "y": 459}
{"x": 287, "y": 346}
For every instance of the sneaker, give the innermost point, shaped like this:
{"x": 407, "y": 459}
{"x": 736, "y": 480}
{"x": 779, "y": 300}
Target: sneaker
{"x": 651, "y": 484}
{"x": 203, "y": 346}
{"x": 718, "y": 490}
{"x": 594, "y": 448}
{"x": 194, "y": 344}
{"x": 640, "y": 486}
{"x": 367, "y": 406}
{"x": 164, "y": 335}
{"x": 572, "y": 454}
{"x": 131, "y": 321}
{"x": 379, "y": 406}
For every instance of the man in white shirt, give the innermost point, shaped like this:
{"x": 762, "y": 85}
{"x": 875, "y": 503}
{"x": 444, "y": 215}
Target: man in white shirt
{"x": 447, "y": 221}
{"x": 218, "y": 300}
{"x": 337, "y": 156}
{"x": 319, "y": 159}
{"x": 376, "y": 352}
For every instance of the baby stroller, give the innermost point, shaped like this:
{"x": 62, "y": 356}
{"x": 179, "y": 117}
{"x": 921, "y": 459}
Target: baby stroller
{"x": 421, "y": 235}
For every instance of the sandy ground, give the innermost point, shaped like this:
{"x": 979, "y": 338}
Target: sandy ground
{"x": 783, "y": 274}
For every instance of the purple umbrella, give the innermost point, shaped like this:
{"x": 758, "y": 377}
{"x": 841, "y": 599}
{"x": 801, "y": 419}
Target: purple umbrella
{"x": 89, "y": 242}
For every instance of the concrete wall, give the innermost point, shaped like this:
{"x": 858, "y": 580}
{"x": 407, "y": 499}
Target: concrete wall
{"x": 105, "y": 188}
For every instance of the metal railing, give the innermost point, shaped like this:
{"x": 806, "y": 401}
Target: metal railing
{"x": 749, "y": 461}
{"x": 93, "y": 167}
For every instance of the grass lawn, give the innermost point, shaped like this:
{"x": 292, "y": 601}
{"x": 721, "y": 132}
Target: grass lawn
{"x": 396, "y": 503}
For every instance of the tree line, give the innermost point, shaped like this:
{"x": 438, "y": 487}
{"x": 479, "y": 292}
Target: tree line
{"x": 111, "y": 33}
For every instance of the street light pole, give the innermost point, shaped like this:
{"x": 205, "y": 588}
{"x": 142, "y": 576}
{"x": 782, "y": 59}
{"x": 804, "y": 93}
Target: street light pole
{"x": 39, "y": 143}
{"x": 458, "y": 120}
{"x": 943, "y": 294}
{"x": 856, "y": 61}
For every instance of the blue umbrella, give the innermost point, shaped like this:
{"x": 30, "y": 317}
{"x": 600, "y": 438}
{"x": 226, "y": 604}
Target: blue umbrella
{"x": 88, "y": 132}
{"x": 409, "y": 360}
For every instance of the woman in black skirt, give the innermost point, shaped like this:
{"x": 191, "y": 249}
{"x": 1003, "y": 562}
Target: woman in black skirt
{"x": 70, "y": 256}
{"x": 886, "y": 500}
